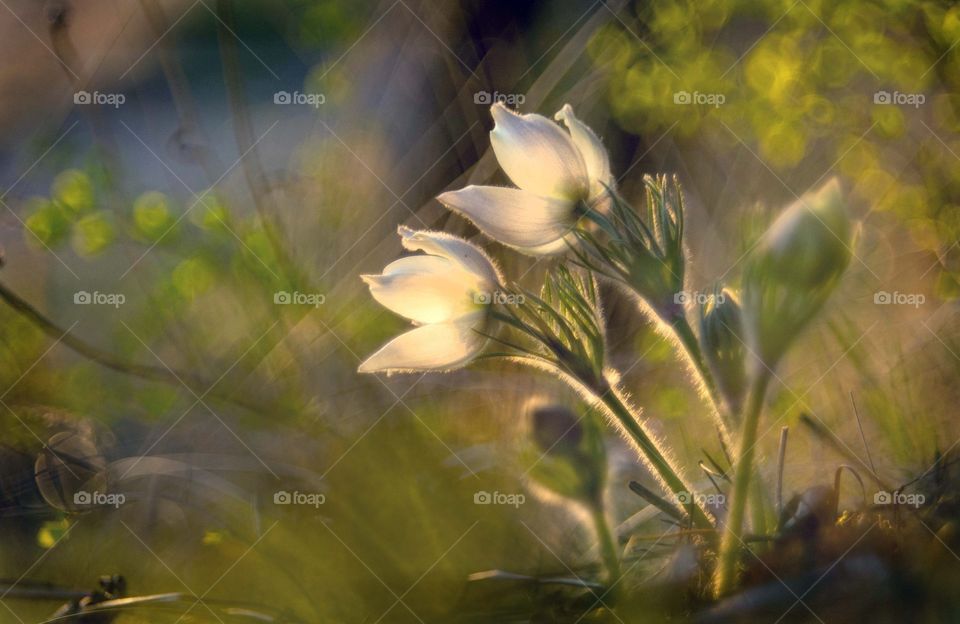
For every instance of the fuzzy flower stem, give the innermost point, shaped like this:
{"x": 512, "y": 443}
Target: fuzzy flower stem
{"x": 725, "y": 575}
{"x": 691, "y": 346}
{"x": 607, "y": 395}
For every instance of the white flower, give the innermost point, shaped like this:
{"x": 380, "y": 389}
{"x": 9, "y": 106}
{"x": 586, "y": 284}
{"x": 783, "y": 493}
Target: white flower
{"x": 446, "y": 292}
{"x": 558, "y": 172}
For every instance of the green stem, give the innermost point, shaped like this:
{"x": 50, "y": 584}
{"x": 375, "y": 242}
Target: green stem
{"x": 759, "y": 504}
{"x": 691, "y": 346}
{"x": 725, "y": 575}
{"x": 608, "y": 545}
{"x": 607, "y": 395}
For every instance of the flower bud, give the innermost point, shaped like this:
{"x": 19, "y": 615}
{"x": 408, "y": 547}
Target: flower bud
{"x": 722, "y": 340}
{"x": 794, "y": 268}
{"x": 808, "y": 246}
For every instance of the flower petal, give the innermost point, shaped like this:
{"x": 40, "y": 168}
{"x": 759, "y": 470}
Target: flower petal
{"x": 513, "y": 216}
{"x": 437, "y": 347}
{"x": 591, "y": 149}
{"x": 558, "y": 246}
{"x": 468, "y": 256}
{"x": 538, "y": 155}
{"x": 426, "y": 289}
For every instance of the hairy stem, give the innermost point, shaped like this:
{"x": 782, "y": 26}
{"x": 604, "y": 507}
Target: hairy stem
{"x": 725, "y": 575}
{"x": 691, "y": 347}
{"x": 631, "y": 425}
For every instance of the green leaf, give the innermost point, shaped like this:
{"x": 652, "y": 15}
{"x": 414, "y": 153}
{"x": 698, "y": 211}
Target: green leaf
{"x": 93, "y": 233}
{"x": 211, "y": 213}
{"x": 152, "y": 216}
{"x": 193, "y": 277}
{"x": 46, "y": 222}
{"x": 51, "y": 532}
{"x": 73, "y": 189}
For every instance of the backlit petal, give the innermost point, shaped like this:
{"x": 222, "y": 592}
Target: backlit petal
{"x": 558, "y": 246}
{"x": 425, "y": 289}
{"x": 437, "y": 347}
{"x": 468, "y": 256}
{"x": 513, "y": 216}
{"x": 591, "y": 149}
{"x": 537, "y": 155}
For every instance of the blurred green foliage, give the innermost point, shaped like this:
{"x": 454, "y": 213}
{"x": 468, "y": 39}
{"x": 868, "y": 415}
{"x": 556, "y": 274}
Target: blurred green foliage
{"x": 802, "y": 94}
{"x": 47, "y": 221}
{"x": 73, "y": 190}
{"x": 153, "y": 217}
{"x": 325, "y": 22}
{"x": 799, "y": 81}
{"x": 93, "y": 233}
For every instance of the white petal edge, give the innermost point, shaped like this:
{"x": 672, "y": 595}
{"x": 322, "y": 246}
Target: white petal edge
{"x": 426, "y": 289}
{"x": 537, "y": 155}
{"x": 437, "y": 347}
{"x": 470, "y": 257}
{"x": 594, "y": 155}
{"x": 511, "y": 216}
